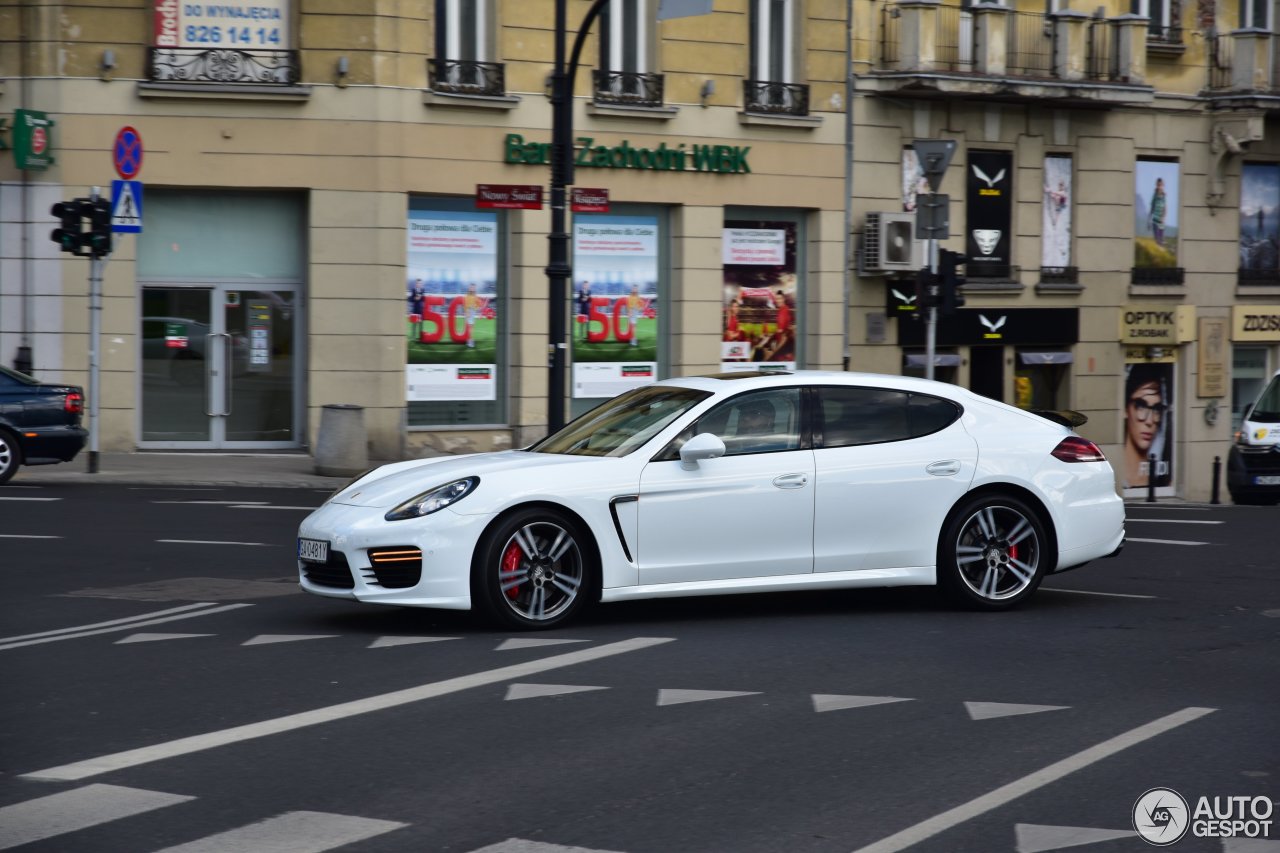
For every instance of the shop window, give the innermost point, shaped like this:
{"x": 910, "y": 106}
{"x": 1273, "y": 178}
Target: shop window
{"x": 463, "y": 49}
{"x": 1249, "y": 374}
{"x": 624, "y": 76}
{"x": 946, "y": 366}
{"x": 1040, "y": 380}
{"x": 771, "y": 84}
{"x": 192, "y": 48}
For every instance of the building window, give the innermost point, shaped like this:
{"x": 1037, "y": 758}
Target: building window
{"x": 1255, "y": 14}
{"x": 463, "y": 50}
{"x": 1260, "y": 224}
{"x": 624, "y": 76}
{"x": 191, "y": 48}
{"x": 1165, "y": 15}
{"x": 771, "y": 84}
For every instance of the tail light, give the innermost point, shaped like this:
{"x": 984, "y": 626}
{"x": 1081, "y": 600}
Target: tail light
{"x": 74, "y": 403}
{"x": 1073, "y": 448}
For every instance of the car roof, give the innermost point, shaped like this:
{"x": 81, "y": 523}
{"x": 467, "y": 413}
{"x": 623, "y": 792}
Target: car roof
{"x": 732, "y": 382}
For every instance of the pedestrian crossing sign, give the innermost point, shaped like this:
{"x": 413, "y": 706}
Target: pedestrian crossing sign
{"x": 126, "y": 207}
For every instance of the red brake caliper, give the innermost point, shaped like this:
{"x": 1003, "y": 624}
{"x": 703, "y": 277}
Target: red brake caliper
{"x": 510, "y": 563}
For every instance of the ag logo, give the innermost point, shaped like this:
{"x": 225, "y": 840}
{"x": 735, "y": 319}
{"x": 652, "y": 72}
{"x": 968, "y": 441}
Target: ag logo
{"x": 1161, "y": 816}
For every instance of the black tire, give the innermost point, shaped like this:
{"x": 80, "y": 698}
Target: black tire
{"x": 993, "y": 553}
{"x": 10, "y": 456}
{"x": 534, "y": 570}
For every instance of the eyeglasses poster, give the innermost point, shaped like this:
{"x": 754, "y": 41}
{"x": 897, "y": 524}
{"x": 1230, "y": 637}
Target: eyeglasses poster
{"x": 759, "y": 296}
{"x": 451, "y": 306}
{"x": 1155, "y": 214}
{"x": 615, "y": 303}
{"x": 1148, "y": 424}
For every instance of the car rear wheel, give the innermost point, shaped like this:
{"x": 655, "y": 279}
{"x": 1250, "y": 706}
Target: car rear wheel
{"x": 992, "y": 554}
{"x": 10, "y": 456}
{"x": 535, "y": 570}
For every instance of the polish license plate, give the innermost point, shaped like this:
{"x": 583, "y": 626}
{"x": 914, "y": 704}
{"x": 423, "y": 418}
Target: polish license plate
{"x": 1266, "y": 481}
{"x": 313, "y": 550}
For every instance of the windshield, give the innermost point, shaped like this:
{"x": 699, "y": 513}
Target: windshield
{"x": 1267, "y": 409}
{"x": 624, "y": 423}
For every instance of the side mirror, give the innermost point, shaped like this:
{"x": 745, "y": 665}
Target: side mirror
{"x": 704, "y": 445}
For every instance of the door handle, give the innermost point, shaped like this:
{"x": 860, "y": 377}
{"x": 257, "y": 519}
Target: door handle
{"x": 208, "y": 374}
{"x": 945, "y": 468}
{"x": 791, "y": 481}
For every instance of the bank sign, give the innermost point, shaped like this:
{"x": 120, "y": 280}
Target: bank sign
{"x": 32, "y": 139}
{"x": 718, "y": 159}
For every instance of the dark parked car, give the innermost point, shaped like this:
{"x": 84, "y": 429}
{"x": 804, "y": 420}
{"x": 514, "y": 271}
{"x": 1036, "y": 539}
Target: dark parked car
{"x": 39, "y": 422}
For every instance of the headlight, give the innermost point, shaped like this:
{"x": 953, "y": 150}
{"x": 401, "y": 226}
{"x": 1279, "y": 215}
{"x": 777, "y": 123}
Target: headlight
{"x": 349, "y": 484}
{"x": 434, "y": 500}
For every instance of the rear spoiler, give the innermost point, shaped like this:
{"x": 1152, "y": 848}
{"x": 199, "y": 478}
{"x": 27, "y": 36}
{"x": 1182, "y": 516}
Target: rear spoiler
{"x": 1066, "y": 417}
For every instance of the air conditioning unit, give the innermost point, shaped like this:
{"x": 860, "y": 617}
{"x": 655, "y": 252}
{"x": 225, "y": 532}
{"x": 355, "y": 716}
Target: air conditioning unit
{"x": 889, "y": 244}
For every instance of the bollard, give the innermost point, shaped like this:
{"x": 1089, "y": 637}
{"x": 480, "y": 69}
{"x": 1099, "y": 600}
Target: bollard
{"x": 1217, "y": 472}
{"x": 1151, "y": 479}
{"x": 342, "y": 450}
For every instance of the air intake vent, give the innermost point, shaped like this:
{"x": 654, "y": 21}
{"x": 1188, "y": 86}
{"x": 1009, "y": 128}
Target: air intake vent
{"x": 335, "y": 573}
{"x": 397, "y": 566}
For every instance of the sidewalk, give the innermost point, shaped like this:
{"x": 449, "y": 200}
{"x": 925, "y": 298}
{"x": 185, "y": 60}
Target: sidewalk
{"x": 278, "y": 470}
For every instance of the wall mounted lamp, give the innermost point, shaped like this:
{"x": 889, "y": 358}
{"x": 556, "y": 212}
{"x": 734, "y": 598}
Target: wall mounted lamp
{"x": 342, "y": 69}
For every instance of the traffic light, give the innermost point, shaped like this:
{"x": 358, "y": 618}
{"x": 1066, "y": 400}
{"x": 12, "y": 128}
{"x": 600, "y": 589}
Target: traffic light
{"x": 69, "y": 236}
{"x": 99, "y": 237}
{"x": 952, "y": 281}
{"x": 926, "y": 288}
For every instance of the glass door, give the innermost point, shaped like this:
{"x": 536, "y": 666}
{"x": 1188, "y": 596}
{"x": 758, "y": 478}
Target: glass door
{"x": 219, "y": 367}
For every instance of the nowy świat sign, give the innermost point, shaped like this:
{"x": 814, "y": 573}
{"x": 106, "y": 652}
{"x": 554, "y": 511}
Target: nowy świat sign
{"x": 720, "y": 159}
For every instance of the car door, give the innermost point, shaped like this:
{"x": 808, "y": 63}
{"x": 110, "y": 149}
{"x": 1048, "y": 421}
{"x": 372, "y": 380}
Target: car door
{"x": 890, "y": 465}
{"x": 746, "y": 514}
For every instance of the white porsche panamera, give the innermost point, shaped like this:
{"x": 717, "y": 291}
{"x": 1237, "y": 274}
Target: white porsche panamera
{"x": 743, "y": 482}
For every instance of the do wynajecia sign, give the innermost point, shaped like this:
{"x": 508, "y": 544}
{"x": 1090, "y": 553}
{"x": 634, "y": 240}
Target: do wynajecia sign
{"x": 717, "y": 159}
{"x": 1255, "y": 323}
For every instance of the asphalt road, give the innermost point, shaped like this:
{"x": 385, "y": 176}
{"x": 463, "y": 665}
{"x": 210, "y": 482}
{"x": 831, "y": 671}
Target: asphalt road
{"x": 167, "y": 693}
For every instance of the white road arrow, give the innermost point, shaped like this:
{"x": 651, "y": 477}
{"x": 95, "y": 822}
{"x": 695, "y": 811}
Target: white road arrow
{"x": 990, "y": 710}
{"x": 1034, "y": 838}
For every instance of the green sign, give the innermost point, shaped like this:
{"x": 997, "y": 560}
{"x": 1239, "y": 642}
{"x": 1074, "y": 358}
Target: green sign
{"x": 32, "y": 140}
{"x": 721, "y": 159}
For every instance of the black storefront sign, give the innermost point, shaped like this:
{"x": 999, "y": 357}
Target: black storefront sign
{"x": 988, "y": 213}
{"x": 996, "y": 326}
{"x": 901, "y": 299}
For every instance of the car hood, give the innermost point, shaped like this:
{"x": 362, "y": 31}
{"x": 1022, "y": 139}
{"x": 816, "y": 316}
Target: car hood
{"x": 391, "y": 485}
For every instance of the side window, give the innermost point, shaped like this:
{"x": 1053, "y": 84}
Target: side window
{"x": 852, "y": 416}
{"x": 927, "y": 414}
{"x": 758, "y": 422}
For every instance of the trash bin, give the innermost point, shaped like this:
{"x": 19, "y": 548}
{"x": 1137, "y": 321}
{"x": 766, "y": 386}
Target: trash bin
{"x": 342, "y": 448}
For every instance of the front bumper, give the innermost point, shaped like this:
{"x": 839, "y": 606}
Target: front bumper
{"x": 446, "y": 539}
{"x": 1245, "y": 469}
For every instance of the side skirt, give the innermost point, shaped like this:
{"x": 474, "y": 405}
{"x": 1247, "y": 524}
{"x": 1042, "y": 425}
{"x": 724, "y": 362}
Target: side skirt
{"x": 910, "y": 576}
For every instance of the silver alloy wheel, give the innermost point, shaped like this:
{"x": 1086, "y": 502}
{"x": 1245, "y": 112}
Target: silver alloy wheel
{"x": 541, "y": 571}
{"x": 998, "y": 552}
{"x": 7, "y": 457}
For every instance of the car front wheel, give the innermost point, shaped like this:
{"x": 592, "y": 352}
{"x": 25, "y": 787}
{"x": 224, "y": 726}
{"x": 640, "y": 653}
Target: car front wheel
{"x": 9, "y": 456}
{"x": 993, "y": 553}
{"x": 534, "y": 570}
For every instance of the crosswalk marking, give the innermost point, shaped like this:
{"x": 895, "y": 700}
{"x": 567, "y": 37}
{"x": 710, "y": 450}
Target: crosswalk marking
{"x": 291, "y": 832}
{"x": 680, "y": 697}
{"x": 69, "y": 811}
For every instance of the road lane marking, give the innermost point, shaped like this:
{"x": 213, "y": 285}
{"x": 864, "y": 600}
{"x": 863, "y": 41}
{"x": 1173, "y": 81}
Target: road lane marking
{"x": 680, "y": 697}
{"x": 16, "y": 498}
{"x": 69, "y": 811}
{"x": 271, "y": 639}
{"x": 1091, "y": 592}
{"x": 1032, "y": 782}
{"x": 155, "y": 638}
{"x": 835, "y": 702}
{"x": 25, "y": 536}
{"x": 270, "y": 506}
{"x": 212, "y": 542}
{"x": 237, "y": 734}
{"x": 387, "y": 642}
{"x": 292, "y": 832}
{"x": 508, "y": 645}
{"x": 129, "y": 627}
{"x": 1037, "y": 838}
{"x": 120, "y": 621}
{"x": 212, "y": 503}
{"x": 520, "y": 845}
{"x": 1164, "y": 541}
{"x": 1175, "y": 520}
{"x": 536, "y": 691}
{"x": 995, "y": 710}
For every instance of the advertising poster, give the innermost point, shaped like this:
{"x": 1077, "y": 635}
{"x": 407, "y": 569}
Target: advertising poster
{"x": 759, "y": 296}
{"x": 1260, "y": 217}
{"x": 914, "y": 183}
{"x": 237, "y": 24}
{"x": 1055, "y": 252}
{"x": 1155, "y": 214}
{"x": 615, "y": 303}
{"x": 451, "y": 306}
{"x": 988, "y": 213}
{"x": 1148, "y": 424}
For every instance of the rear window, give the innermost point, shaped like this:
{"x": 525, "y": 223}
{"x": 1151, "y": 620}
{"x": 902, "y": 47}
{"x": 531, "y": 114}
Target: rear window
{"x": 855, "y": 416}
{"x": 12, "y": 378}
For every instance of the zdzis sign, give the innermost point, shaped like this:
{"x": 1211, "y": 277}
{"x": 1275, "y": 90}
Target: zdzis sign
{"x": 1157, "y": 325}
{"x": 1255, "y": 323}
{"x": 716, "y": 159}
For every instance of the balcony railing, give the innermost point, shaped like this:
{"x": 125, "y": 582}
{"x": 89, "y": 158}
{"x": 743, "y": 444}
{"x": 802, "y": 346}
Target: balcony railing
{"x": 1030, "y": 45}
{"x": 1157, "y": 275}
{"x": 1102, "y": 51}
{"x": 1249, "y": 277}
{"x": 1221, "y": 57}
{"x": 1164, "y": 34}
{"x": 224, "y": 65}
{"x": 466, "y": 77}
{"x": 764, "y": 96}
{"x": 628, "y": 88}
{"x": 953, "y": 38}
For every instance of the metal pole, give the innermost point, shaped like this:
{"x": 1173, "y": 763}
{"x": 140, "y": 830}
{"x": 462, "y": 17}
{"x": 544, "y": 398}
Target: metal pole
{"x": 931, "y": 319}
{"x": 558, "y": 269}
{"x": 1217, "y": 472}
{"x": 1151, "y": 479}
{"x": 95, "y": 334}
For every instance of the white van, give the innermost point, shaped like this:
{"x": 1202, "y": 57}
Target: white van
{"x": 1253, "y": 465}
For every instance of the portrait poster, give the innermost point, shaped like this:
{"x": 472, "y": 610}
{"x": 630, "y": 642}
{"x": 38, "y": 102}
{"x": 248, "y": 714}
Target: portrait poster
{"x": 451, "y": 305}
{"x": 914, "y": 183}
{"x": 1148, "y": 425}
{"x": 988, "y": 213}
{"x": 1055, "y": 251}
{"x": 759, "y": 299}
{"x": 615, "y": 303}
{"x": 1155, "y": 214}
{"x": 1260, "y": 217}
